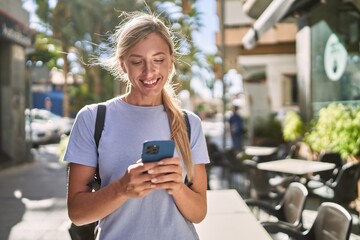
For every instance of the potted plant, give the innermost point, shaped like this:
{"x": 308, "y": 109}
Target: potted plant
{"x": 293, "y": 132}
{"x": 267, "y": 131}
{"x": 337, "y": 129}
{"x": 294, "y": 127}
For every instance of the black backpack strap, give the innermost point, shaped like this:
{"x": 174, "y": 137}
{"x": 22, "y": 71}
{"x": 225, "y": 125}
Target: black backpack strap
{"x": 99, "y": 126}
{"x": 188, "y": 128}
{"x": 99, "y": 123}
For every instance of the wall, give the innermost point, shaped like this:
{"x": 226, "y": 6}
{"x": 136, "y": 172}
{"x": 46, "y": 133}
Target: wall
{"x": 275, "y": 67}
{"x": 13, "y": 102}
{"x": 15, "y": 36}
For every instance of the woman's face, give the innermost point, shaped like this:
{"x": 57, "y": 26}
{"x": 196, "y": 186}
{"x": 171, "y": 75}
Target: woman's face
{"x": 148, "y": 65}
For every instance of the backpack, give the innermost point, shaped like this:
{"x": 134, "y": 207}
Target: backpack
{"x": 89, "y": 231}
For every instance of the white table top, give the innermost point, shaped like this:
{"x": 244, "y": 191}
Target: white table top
{"x": 259, "y": 151}
{"x": 295, "y": 166}
{"x": 229, "y": 218}
{"x": 225, "y": 201}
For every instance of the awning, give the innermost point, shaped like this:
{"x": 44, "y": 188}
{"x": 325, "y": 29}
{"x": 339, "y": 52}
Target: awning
{"x": 254, "y": 8}
{"x": 272, "y": 14}
{"x": 276, "y": 11}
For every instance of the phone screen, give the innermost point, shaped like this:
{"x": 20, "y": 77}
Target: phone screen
{"x": 154, "y": 151}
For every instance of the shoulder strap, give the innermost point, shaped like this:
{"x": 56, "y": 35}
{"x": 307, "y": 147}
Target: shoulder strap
{"x": 99, "y": 126}
{"x": 99, "y": 123}
{"x": 188, "y": 126}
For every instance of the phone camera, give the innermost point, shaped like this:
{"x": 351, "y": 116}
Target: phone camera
{"x": 152, "y": 149}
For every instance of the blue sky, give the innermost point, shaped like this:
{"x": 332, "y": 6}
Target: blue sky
{"x": 206, "y": 37}
{"x": 205, "y": 40}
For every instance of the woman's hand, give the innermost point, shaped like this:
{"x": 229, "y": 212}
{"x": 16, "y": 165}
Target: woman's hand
{"x": 136, "y": 182}
{"x": 167, "y": 174}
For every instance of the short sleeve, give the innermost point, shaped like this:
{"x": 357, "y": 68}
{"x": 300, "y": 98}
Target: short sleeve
{"x": 81, "y": 148}
{"x": 197, "y": 142}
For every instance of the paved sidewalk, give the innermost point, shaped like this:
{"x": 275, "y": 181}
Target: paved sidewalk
{"x": 33, "y": 204}
{"x": 32, "y": 197}
{"x": 217, "y": 181}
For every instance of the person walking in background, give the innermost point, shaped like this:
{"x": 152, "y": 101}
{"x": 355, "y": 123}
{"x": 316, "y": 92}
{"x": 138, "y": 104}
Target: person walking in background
{"x": 139, "y": 200}
{"x": 48, "y": 103}
{"x": 236, "y": 128}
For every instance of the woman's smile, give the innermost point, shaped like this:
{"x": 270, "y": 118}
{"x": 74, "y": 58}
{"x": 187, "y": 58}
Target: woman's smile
{"x": 150, "y": 83}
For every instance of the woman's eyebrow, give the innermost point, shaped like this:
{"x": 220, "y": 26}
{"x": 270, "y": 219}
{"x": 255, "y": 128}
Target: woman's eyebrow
{"x": 159, "y": 53}
{"x": 140, "y": 56}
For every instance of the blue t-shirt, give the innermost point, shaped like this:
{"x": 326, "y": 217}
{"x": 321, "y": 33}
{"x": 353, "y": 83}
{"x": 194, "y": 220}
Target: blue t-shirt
{"x": 126, "y": 127}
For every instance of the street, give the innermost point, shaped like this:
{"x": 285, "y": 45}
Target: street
{"x": 33, "y": 198}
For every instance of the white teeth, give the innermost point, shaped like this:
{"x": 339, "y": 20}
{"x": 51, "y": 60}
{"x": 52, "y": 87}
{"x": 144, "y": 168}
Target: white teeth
{"x": 150, "y": 82}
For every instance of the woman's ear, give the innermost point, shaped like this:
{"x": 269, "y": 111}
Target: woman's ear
{"x": 123, "y": 68}
{"x": 172, "y": 63}
{"x": 172, "y": 59}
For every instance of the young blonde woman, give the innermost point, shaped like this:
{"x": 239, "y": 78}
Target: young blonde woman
{"x": 139, "y": 200}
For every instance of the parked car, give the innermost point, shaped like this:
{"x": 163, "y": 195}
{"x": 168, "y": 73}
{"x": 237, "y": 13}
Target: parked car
{"x": 64, "y": 124}
{"x": 45, "y": 127}
{"x": 40, "y": 132}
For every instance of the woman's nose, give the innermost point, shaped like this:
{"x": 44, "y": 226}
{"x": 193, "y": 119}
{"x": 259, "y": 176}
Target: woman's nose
{"x": 148, "y": 68}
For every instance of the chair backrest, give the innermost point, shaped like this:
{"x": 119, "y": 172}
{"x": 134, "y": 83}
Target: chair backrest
{"x": 215, "y": 154}
{"x": 345, "y": 184}
{"x": 330, "y": 157}
{"x": 235, "y": 163}
{"x": 293, "y": 203}
{"x": 259, "y": 180}
{"x": 292, "y": 152}
{"x": 332, "y": 222}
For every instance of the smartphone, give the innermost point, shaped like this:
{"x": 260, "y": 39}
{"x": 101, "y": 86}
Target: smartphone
{"x": 154, "y": 151}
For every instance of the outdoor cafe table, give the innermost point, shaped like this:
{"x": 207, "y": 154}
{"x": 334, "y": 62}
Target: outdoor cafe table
{"x": 259, "y": 151}
{"x": 228, "y": 217}
{"x": 295, "y": 166}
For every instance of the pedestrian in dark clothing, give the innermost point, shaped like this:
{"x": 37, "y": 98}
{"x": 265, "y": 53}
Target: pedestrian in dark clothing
{"x": 236, "y": 128}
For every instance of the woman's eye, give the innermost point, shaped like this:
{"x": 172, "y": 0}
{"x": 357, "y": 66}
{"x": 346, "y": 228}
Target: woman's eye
{"x": 159, "y": 60}
{"x": 135, "y": 63}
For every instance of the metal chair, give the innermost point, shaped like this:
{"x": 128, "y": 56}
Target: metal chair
{"x": 290, "y": 208}
{"x": 218, "y": 168}
{"x": 261, "y": 187}
{"x": 237, "y": 170}
{"x": 330, "y": 157}
{"x": 343, "y": 189}
{"x": 332, "y": 222}
{"x": 319, "y": 179}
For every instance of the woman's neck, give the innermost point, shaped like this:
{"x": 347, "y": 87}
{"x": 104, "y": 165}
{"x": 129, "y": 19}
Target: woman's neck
{"x": 141, "y": 101}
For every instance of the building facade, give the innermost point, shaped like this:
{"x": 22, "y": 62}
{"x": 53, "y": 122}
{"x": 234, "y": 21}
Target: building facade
{"x": 15, "y": 37}
{"x": 268, "y": 69}
{"x": 307, "y": 50}
{"x": 328, "y": 55}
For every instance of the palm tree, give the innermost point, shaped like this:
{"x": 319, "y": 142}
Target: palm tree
{"x": 78, "y": 22}
{"x": 82, "y": 26}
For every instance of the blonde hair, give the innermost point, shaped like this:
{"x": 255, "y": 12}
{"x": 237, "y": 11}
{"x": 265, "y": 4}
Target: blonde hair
{"x": 135, "y": 27}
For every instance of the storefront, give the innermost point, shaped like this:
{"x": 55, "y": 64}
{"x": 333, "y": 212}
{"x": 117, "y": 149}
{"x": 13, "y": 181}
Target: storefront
{"x": 327, "y": 47}
{"x": 336, "y": 56}
{"x": 328, "y": 56}
{"x": 15, "y": 36}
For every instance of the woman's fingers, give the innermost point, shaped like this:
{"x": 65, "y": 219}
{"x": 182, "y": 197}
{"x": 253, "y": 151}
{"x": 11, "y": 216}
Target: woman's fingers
{"x": 167, "y": 175}
{"x": 137, "y": 181}
{"x": 142, "y": 178}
